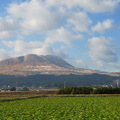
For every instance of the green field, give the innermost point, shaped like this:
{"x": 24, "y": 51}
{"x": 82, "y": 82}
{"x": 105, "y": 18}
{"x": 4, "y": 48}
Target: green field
{"x": 62, "y": 108}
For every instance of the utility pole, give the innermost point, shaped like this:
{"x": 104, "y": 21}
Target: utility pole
{"x": 64, "y": 84}
{"x": 117, "y": 83}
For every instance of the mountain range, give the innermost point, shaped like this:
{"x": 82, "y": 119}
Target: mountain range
{"x": 32, "y": 64}
{"x": 50, "y": 70}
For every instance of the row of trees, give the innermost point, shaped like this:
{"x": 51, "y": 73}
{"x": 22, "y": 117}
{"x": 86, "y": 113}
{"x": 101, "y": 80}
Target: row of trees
{"x": 107, "y": 90}
{"x": 89, "y": 90}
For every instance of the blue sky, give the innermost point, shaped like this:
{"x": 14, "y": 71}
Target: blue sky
{"x": 84, "y": 33}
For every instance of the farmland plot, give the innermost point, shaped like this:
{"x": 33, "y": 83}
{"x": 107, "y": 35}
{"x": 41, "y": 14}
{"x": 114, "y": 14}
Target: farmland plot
{"x": 62, "y": 108}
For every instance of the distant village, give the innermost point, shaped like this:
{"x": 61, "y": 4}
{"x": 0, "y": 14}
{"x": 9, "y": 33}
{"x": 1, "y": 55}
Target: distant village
{"x": 8, "y": 88}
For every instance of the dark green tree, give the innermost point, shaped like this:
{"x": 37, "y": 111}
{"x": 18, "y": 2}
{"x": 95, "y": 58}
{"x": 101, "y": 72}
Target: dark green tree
{"x": 13, "y": 89}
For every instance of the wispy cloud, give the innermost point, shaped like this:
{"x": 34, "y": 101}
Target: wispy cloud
{"x": 102, "y": 51}
{"x": 101, "y": 27}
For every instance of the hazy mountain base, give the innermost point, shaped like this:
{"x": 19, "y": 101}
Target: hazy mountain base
{"x": 53, "y": 81}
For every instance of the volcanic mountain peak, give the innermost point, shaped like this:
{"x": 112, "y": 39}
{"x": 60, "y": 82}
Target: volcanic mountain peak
{"x": 35, "y": 59}
{"x": 32, "y": 58}
{"x": 32, "y": 64}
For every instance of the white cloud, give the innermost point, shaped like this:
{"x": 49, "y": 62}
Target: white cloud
{"x": 102, "y": 27}
{"x": 47, "y": 50}
{"x": 102, "y": 51}
{"x": 5, "y": 34}
{"x": 56, "y": 36}
{"x": 20, "y": 46}
{"x": 35, "y": 47}
{"x": 36, "y": 16}
{"x": 96, "y": 6}
{"x": 44, "y": 50}
{"x": 7, "y": 27}
{"x": 80, "y": 21}
{"x": 61, "y": 35}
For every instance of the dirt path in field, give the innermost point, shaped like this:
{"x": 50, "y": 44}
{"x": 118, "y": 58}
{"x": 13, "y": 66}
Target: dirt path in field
{"x": 43, "y": 96}
{"x": 8, "y": 100}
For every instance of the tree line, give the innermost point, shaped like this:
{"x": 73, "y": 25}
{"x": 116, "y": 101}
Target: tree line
{"x": 89, "y": 90}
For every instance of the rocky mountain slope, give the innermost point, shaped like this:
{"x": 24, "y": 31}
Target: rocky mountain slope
{"x": 33, "y": 64}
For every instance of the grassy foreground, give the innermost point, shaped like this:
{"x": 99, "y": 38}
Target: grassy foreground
{"x": 62, "y": 108}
